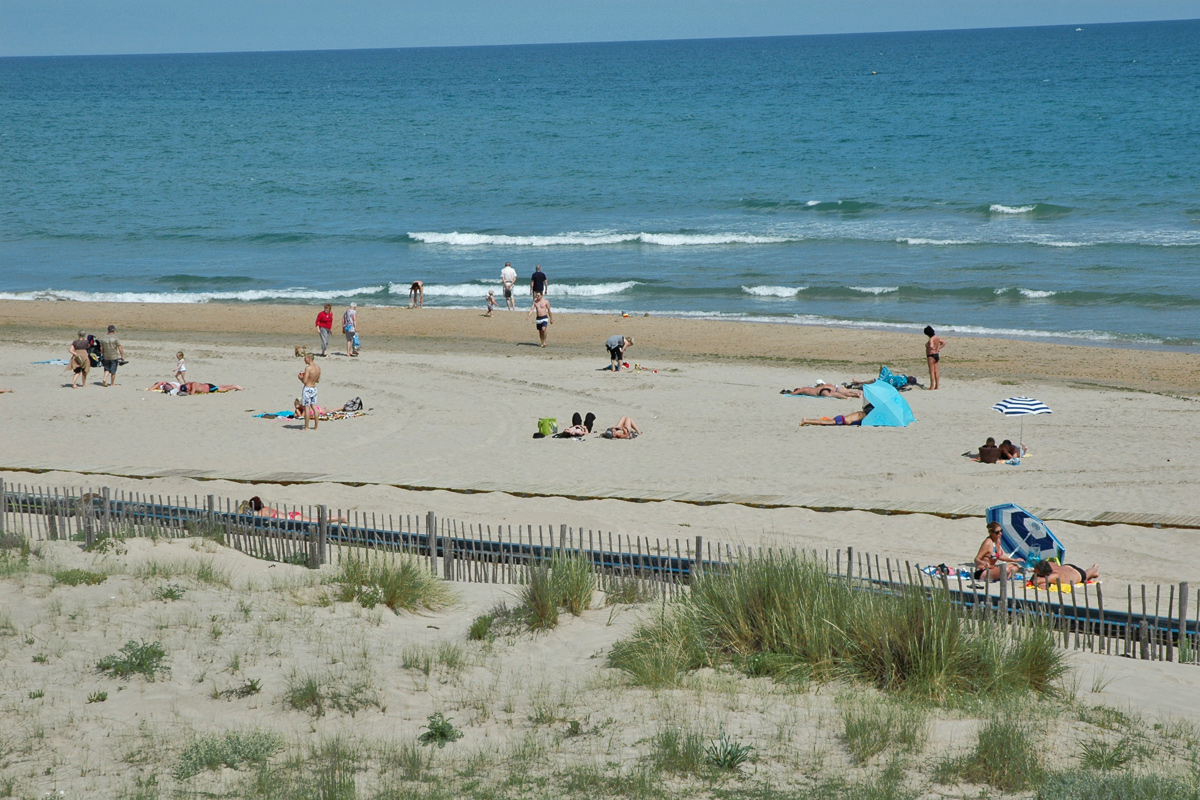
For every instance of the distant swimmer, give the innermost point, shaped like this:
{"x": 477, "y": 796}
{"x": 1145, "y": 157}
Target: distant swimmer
{"x": 933, "y": 355}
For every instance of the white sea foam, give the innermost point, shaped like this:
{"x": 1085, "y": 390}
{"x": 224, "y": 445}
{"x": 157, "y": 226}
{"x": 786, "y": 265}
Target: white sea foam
{"x": 773, "y": 291}
{"x": 1067, "y": 244}
{"x": 996, "y": 208}
{"x": 935, "y": 242}
{"x": 1035, "y": 294}
{"x": 876, "y": 289}
{"x": 555, "y": 290}
{"x": 594, "y": 238}
{"x": 249, "y": 296}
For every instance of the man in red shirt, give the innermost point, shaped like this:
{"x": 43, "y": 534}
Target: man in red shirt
{"x": 324, "y": 324}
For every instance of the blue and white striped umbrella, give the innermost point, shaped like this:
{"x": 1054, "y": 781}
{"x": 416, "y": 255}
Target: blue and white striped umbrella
{"x": 1021, "y": 407}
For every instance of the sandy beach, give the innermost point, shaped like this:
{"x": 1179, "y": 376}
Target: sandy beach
{"x": 453, "y": 399}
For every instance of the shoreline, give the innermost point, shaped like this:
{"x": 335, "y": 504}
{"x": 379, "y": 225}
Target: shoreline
{"x": 857, "y": 352}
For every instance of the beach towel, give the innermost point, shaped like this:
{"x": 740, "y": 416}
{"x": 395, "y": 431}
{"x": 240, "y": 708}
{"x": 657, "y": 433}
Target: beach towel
{"x": 58, "y": 362}
{"x": 1065, "y": 588}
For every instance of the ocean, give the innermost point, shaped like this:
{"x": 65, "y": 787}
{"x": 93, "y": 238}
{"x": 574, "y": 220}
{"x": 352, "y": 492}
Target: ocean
{"x": 1028, "y": 182}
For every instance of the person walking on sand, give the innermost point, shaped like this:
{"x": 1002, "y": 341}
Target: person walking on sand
{"x": 616, "y": 350}
{"x": 538, "y": 281}
{"x": 310, "y": 377}
{"x": 180, "y": 368}
{"x": 80, "y": 362}
{"x": 111, "y": 355}
{"x": 350, "y": 328}
{"x": 491, "y": 302}
{"x": 541, "y": 307}
{"x": 933, "y": 355}
{"x": 508, "y": 280}
{"x": 416, "y": 295}
{"x": 324, "y": 326}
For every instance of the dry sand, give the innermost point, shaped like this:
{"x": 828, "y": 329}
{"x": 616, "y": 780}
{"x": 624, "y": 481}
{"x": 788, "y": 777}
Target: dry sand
{"x": 454, "y": 398}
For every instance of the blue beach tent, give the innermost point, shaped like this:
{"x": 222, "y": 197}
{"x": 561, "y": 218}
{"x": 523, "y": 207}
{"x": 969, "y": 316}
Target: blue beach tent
{"x": 891, "y": 410}
{"x": 1024, "y": 535}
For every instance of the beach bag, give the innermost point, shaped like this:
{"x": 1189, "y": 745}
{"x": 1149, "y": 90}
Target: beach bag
{"x": 356, "y": 343}
{"x": 353, "y": 405}
{"x": 548, "y": 426}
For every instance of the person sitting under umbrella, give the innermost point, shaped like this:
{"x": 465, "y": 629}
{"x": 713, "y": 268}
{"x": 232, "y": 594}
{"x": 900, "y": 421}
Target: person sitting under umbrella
{"x": 990, "y": 562}
{"x": 853, "y": 418}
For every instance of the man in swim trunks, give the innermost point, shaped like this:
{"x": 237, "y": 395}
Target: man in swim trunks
{"x": 508, "y": 279}
{"x": 1046, "y": 573}
{"x": 933, "y": 355}
{"x": 310, "y": 377}
{"x": 541, "y": 307}
{"x": 853, "y": 418}
{"x": 990, "y": 561}
{"x": 616, "y": 350}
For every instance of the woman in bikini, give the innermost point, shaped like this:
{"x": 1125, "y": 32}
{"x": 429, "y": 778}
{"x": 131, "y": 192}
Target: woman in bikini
{"x": 625, "y": 429}
{"x": 823, "y": 390}
{"x": 990, "y": 562}
{"x": 1046, "y": 573}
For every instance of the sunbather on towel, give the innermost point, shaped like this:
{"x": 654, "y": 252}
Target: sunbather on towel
{"x": 1046, "y": 573}
{"x": 990, "y": 562}
{"x": 822, "y": 389}
{"x": 258, "y": 508}
{"x": 853, "y": 418}
{"x": 580, "y": 427}
{"x": 625, "y": 429}
{"x": 193, "y": 387}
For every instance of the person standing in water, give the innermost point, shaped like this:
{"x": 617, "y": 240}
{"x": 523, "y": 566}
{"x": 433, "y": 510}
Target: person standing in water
{"x": 933, "y": 355}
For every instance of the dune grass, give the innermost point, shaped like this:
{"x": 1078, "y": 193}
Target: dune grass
{"x": 784, "y": 615}
{"x": 563, "y": 581}
{"x": 402, "y": 583}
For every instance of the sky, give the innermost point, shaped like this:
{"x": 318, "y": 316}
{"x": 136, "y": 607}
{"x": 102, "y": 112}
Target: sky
{"x": 94, "y": 27}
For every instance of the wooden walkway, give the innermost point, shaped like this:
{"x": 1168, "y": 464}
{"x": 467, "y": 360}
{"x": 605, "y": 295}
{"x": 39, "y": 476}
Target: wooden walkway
{"x": 948, "y": 510}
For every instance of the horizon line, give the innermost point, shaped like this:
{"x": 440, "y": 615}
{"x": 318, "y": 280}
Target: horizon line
{"x": 1076, "y": 25}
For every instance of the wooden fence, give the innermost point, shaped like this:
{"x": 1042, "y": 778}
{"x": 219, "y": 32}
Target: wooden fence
{"x": 1147, "y": 623}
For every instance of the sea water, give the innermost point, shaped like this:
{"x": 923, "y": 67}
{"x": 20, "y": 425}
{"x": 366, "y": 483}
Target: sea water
{"x": 1020, "y": 182}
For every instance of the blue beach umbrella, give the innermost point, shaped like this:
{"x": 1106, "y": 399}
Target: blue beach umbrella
{"x": 1024, "y": 535}
{"x": 891, "y": 410}
{"x": 1021, "y": 407}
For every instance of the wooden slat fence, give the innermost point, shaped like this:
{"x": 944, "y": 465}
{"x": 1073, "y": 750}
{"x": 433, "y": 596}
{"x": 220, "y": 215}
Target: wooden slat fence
{"x": 1152, "y": 623}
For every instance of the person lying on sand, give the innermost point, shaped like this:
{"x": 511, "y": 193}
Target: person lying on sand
{"x": 625, "y": 429}
{"x": 990, "y": 561}
{"x": 193, "y": 387}
{"x": 1046, "y": 573}
{"x": 822, "y": 389}
{"x": 5, "y": 391}
{"x": 258, "y": 508}
{"x": 853, "y": 418}
{"x": 580, "y": 427}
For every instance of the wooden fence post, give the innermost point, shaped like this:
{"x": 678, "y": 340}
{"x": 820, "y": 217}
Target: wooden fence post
{"x": 1144, "y": 639}
{"x": 105, "y": 526}
{"x": 1002, "y": 605}
{"x": 698, "y": 560}
{"x": 1183, "y": 609}
{"x": 3, "y": 506}
{"x": 849, "y": 564}
{"x": 316, "y": 542}
{"x": 562, "y": 538}
{"x": 431, "y": 540}
{"x": 212, "y": 512}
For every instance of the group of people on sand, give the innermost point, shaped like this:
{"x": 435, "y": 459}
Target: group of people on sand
{"x": 993, "y": 564}
{"x": 112, "y": 355}
{"x": 992, "y": 453}
{"x": 581, "y": 426}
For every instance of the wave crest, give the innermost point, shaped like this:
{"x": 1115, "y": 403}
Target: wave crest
{"x": 593, "y": 239}
{"x": 773, "y": 291}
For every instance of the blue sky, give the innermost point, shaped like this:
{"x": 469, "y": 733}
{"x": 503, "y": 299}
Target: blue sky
{"x": 77, "y": 27}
